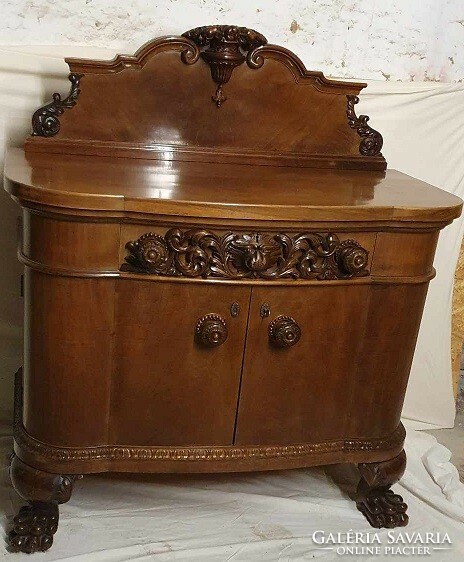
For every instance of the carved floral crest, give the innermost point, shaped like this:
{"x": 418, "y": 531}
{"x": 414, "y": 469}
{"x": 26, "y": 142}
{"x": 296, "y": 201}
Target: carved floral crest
{"x": 200, "y": 253}
{"x": 226, "y": 45}
{"x": 254, "y": 252}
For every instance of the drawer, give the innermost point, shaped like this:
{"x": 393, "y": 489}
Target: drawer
{"x": 70, "y": 245}
{"x": 404, "y": 253}
{"x": 246, "y": 255}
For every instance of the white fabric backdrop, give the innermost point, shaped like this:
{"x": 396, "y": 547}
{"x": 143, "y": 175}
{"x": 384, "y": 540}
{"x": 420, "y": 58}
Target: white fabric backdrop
{"x": 423, "y": 129}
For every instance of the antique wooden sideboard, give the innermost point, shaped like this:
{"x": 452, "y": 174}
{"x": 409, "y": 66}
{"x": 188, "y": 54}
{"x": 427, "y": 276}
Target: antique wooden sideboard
{"x": 220, "y": 275}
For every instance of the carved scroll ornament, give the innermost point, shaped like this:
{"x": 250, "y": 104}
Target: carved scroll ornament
{"x": 200, "y": 253}
{"x": 372, "y": 141}
{"x": 225, "y": 48}
{"x": 45, "y": 122}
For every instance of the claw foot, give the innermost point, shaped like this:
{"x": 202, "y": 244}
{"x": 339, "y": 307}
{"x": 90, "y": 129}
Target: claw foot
{"x": 34, "y": 527}
{"x": 380, "y": 506}
{"x": 384, "y": 508}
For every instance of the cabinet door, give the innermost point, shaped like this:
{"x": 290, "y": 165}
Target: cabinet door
{"x": 302, "y": 392}
{"x": 170, "y": 388}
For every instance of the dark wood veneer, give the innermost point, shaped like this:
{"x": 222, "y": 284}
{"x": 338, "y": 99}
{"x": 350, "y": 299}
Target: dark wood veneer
{"x": 170, "y": 111}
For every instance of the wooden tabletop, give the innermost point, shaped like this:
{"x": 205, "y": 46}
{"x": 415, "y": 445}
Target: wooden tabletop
{"x": 214, "y": 190}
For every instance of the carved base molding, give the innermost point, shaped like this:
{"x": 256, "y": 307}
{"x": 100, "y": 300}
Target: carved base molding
{"x": 32, "y": 446}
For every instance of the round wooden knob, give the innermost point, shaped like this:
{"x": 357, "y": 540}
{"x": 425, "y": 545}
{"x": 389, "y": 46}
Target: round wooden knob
{"x": 351, "y": 257}
{"x": 284, "y": 331}
{"x": 211, "y": 330}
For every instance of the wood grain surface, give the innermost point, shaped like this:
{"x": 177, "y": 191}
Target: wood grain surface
{"x": 223, "y": 191}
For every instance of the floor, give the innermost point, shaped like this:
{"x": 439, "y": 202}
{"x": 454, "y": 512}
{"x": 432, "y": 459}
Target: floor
{"x": 453, "y": 438}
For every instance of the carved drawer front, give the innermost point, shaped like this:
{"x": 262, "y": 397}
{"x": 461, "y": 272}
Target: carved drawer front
{"x": 200, "y": 253}
{"x": 178, "y": 358}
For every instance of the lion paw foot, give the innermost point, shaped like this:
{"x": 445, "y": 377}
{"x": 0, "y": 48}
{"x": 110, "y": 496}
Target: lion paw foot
{"x": 384, "y": 508}
{"x": 34, "y": 527}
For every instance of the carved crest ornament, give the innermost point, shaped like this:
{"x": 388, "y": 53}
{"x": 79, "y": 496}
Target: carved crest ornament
{"x": 222, "y": 48}
{"x": 200, "y": 253}
{"x": 226, "y": 48}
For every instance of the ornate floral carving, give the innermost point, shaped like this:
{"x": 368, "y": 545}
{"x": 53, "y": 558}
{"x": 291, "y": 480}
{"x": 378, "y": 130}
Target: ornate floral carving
{"x": 200, "y": 253}
{"x": 372, "y": 141}
{"x": 45, "y": 122}
{"x": 150, "y": 252}
{"x": 225, "y": 46}
{"x": 254, "y": 252}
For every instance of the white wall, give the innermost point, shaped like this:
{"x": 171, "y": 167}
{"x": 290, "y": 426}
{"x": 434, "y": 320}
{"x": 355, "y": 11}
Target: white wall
{"x": 376, "y": 39}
